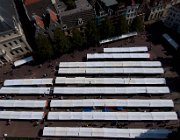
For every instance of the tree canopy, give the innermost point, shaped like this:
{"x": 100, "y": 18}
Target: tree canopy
{"x": 122, "y": 26}
{"x": 107, "y": 29}
{"x": 44, "y": 48}
{"x": 91, "y": 32}
{"x": 61, "y": 42}
{"x": 137, "y": 24}
{"x": 78, "y": 39}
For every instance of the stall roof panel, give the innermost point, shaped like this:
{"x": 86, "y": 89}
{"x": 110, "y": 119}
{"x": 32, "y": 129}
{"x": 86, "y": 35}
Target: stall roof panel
{"x": 123, "y": 116}
{"x": 25, "y": 90}
{"x": 118, "y": 37}
{"x": 111, "y": 71}
{"x": 112, "y": 102}
{"x": 119, "y": 81}
{"x": 125, "y": 49}
{"x": 111, "y": 90}
{"x": 21, "y": 115}
{"x": 110, "y": 64}
{"x": 23, "y": 103}
{"x": 105, "y": 132}
{"x": 22, "y": 82}
{"x": 23, "y": 61}
{"x": 118, "y": 56}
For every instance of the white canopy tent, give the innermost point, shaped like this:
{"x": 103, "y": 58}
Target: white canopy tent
{"x": 111, "y": 71}
{"x": 25, "y": 90}
{"x": 110, "y": 64}
{"x": 22, "y": 82}
{"x": 111, "y": 90}
{"x": 121, "y": 116}
{"x": 105, "y": 132}
{"x": 123, "y": 36}
{"x": 23, "y": 103}
{"x": 125, "y": 49}
{"x": 118, "y": 81}
{"x": 23, "y": 61}
{"x": 170, "y": 41}
{"x": 112, "y": 103}
{"x": 21, "y": 115}
{"x": 118, "y": 56}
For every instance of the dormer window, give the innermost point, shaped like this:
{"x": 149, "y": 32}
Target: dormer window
{"x": 110, "y": 11}
{"x": 80, "y": 21}
{"x": 64, "y": 27}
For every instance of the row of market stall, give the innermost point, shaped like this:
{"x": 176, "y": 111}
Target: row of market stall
{"x": 130, "y": 103}
{"x": 133, "y": 82}
{"x": 115, "y": 71}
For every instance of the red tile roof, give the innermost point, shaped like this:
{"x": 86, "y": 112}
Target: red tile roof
{"x": 39, "y": 21}
{"x": 30, "y": 2}
{"x": 53, "y": 15}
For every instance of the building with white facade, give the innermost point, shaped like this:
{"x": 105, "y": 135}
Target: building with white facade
{"x": 173, "y": 19}
{"x": 13, "y": 44}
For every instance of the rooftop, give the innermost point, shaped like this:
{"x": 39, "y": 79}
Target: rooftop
{"x": 81, "y": 5}
{"x": 109, "y": 2}
{"x": 53, "y": 15}
{"x": 39, "y": 21}
{"x": 38, "y": 7}
{"x": 7, "y": 13}
{"x": 30, "y": 2}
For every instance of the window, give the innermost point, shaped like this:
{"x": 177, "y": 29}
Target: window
{"x": 12, "y": 53}
{"x": 10, "y": 43}
{"x": 64, "y": 27}
{"x": 21, "y": 50}
{"x": 4, "y": 45}
{"x": 20, "y": 40}
{"x": 16, "y": 51}
{"x": 27, "y": 48}
{"x": 80, "y": 21}
{"x": 15, "y": 42}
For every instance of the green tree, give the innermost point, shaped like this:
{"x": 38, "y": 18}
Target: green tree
{"x": 91, "y": 32}
{"x": 107, "y": 29}
{"x": 61, "y": 42}
{"x": 44, "y": 49}
{"x": 137, "y": 24}
{"x": 78, "y": 40}
{"x": 122, "y": 27}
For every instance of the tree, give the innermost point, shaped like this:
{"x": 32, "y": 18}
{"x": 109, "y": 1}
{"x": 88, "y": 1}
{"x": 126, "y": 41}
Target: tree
{"x": 122, "y": 27}
{"x": 91, "y": 32}
{"x": 107, "y": 29}
{"x": 137, "y": 24}
{"x": 44, "y": 50}
{"x": 78, "y": 40}
{"x": 61, "y": 42}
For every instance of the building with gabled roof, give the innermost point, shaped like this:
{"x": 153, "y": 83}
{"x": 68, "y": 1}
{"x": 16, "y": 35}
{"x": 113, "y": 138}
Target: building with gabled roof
{"x": 54, "y": 13}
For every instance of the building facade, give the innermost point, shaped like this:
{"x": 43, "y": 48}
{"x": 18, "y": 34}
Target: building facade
{"x": 13, "y": 44}
{"x": 173, "y": 19}
{"x": 131, "y": 12}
